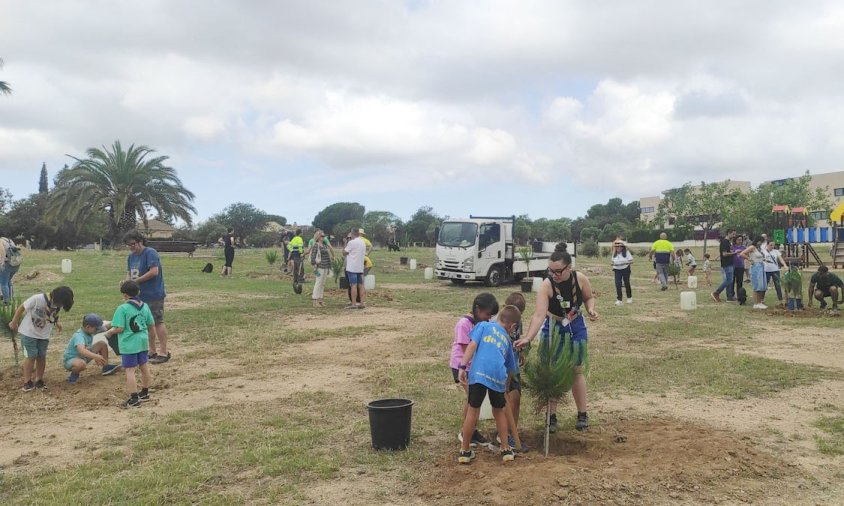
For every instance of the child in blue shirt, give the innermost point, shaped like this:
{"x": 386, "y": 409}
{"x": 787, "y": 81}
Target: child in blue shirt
{"x": 493, "y": 360}
{"x": 81, "y": 349}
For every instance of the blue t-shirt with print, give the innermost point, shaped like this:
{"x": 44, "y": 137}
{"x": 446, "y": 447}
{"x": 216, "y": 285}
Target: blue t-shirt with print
{"x": 80, "y": 337}
{"x": 494, "y": 358}
{"x": 152, "y": 289}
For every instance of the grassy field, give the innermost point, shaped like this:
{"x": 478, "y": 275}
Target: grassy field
{"x": 264, "y": 400}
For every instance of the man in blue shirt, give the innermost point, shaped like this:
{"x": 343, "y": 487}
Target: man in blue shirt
{"x": 145, "y": 268}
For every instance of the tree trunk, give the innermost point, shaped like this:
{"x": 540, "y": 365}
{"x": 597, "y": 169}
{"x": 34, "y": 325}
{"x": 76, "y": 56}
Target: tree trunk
{"x": 547, "y": 426}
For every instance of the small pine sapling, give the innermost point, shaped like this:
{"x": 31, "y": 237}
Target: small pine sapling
{"x": 550, "y": 371}
{"x": 7, "y": 313}
{"x": 271, "y": 256}
{"x": 337, "y": 268}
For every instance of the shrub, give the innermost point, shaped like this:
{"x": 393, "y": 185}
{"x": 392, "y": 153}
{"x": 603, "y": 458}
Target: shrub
{"x": 589, "y": 249}
{"x": 271, "y": 256}
{"x": 605, "y": 251}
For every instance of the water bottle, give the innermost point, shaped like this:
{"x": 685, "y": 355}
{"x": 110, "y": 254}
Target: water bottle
{"x": 316, "y": 272}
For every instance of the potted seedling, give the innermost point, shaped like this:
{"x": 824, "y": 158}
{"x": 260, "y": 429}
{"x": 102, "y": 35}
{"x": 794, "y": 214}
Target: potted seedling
{"x": 337, "y": 267}
{"x": 526, "y": 254}
{"x": 550, "y": 371}
{"x": 7, "y": 312}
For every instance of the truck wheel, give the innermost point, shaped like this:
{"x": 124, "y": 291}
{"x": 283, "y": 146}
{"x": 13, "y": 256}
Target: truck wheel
{"x": 458, "y": 281}
{"x": 493, "y": 278}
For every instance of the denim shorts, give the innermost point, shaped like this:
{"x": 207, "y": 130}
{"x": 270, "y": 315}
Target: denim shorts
{"x": 134, "y": 359}
{"x": 355, "y": 278}
{"x": 34, "y": 348}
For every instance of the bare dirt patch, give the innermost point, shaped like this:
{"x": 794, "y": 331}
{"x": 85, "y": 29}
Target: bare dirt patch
{"x": 630, "y": 460}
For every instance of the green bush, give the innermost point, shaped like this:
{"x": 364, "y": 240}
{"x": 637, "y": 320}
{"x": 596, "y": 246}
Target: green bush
{"x": 589, "y": 249}
{"x": 605, "y": 251}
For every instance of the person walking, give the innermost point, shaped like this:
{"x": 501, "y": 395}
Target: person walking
{"x": 757, "y": 272}
{"x": 321, "y": 257}
{"x": 738, "y": 263}
{"x": 145, "y": 269}
{"x": 10, "y": 263}
{"x": 621, "y": 261}
{"x": 662, "y": 252}
{"x": 228, "y": 249}
{"x": 725, "y": 249}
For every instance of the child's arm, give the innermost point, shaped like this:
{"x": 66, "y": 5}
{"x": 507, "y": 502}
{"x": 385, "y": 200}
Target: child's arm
{"x": 85, "y": 352}
{"x": 113, "y": 331}
{"x": 467, "y": 357}
{"x": 16, "y": 320}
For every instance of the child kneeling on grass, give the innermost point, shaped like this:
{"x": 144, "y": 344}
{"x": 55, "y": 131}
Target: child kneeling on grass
{"x": 34, "y": 320}
{"x": 493, "y": 362}
{"x": 130, "y": 323}
{"x": 81, "y": 349}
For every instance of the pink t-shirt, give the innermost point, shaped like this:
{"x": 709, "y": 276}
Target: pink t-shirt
{"x": 461, "y": 338}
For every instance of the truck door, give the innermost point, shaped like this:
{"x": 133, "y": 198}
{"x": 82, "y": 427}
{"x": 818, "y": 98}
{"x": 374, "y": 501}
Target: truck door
{"x": 490, "y": 245}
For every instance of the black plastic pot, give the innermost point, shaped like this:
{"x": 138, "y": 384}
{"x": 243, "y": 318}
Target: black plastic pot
{"x": 403, "y": 260}
{"x": 344, "y": 283}
{"x": 389, "y": 423}
{"x": 527, "y": 285}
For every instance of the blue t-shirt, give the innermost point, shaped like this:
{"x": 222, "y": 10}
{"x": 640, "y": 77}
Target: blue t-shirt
{"x": 152, "y": 289}
{"x": 494, "y": 358}
{"x": 80, "y": 337}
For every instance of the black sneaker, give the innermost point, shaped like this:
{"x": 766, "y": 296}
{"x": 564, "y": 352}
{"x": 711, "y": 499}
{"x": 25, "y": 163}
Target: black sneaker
{"x": 823, "y": 304}
{"x": 160, "y": 359}
{"x": 466, "y": 457}
{"x": 143, "y": 395}
{"x": 582, "y": 422}
{"x": 28, "y": 386}
{"x": 552, "y": 426}
{"x": 40, "y": 385}
{"x": 132, "y": 402}
{"x": 479, "y": 439}
{"x": 508, "y": 455}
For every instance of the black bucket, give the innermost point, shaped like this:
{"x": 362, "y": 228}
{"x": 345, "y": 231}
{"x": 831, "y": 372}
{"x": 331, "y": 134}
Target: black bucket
{"x": 402, "y": 260}
{"x": 527, "y": 285}
{"x": 389, "y": 423}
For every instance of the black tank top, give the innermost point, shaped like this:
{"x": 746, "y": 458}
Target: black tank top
{"x": 227, "y": 241}
{"x": 565, "y": 296}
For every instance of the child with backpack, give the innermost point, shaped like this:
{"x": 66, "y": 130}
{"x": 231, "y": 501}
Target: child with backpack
{"x": 130, "y": 323}
{"x": 483, "y": 308}
{"x": 34, "y": 320}
{"x": 10, "y": 262}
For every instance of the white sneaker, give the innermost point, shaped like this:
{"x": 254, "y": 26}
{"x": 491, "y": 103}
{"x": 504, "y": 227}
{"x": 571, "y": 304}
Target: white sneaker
{"x": 763, "y": 306}
{"x": 630, "y": 300}
{"x": 618, "y": 303}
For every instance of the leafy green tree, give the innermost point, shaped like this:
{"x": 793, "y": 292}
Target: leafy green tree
{"x": 422, "y": 224}
{"x": 244, "y": 218}
{"x": 612, "y": 231}
{"x": 42, "y": 181}
{"x": 123, "y": 184}
{"x": 337, "y": 213}
{"x": 6, "y": 199}
{"x": 209, "y": 231}
{"x": 589, "y": 234}
{"x": 281, "y": 220}
{"x": 522, "y": 229}
{"x": 377, "y": 225}
{"x": 702, "y": 206}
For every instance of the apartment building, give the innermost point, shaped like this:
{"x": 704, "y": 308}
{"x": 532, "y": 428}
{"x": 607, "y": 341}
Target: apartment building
{"x": 833, "y": 182}
{"x": 648, "y": 206}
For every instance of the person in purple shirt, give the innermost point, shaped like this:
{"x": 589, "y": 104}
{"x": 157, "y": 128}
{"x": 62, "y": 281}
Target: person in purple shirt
{"x": 144, "y": 267}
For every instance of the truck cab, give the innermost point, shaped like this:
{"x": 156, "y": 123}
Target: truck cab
{"x": 482, "y": 249}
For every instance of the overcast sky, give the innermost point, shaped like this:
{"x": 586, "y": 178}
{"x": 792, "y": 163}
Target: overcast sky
{"x": 471, "y": 107}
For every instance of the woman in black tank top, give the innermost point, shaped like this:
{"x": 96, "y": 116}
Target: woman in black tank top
{"x": 228, "y": 249}
{"x": 562, "y": 300}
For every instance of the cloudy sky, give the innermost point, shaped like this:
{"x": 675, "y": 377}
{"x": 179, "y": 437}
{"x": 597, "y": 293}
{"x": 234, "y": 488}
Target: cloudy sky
{"x": 471, "y": 107}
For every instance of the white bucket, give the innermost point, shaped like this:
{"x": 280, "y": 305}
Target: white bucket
{"x": 67, "y": 266}
{"x": 537, "y": 282}
{"x": 369, "y": 282}
{"x": 429, "y": 273}
{"x": 486, "y": 409}
{"x": 688, "y": 300}
{"x": 692, "y": 282}
{"x": 413, "y": 264}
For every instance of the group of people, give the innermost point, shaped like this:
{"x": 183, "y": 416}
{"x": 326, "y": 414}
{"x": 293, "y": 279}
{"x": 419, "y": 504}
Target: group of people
{"x": 136, "y": 332}
{"x": 485, "y": 354}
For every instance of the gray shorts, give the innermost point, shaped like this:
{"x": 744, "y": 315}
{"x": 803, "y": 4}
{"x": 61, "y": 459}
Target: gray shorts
{"x": 157, "y": 309}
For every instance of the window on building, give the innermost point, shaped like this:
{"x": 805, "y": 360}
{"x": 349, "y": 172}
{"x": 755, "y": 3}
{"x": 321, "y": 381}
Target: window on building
{"x": 820, "y": 215}
{"x": 778, "y": 182}
{"x": 839, "y": 192}
{"x": 646, "y": 210}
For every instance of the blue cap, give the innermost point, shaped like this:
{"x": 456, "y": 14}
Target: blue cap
{"x": 94, "y": 320}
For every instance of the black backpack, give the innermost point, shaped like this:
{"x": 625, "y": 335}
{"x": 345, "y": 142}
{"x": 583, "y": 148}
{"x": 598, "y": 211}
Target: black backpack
{"x": 209, "y": 268}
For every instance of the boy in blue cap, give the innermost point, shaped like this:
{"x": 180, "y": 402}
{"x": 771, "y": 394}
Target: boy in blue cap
{"x": 82, "y": 349}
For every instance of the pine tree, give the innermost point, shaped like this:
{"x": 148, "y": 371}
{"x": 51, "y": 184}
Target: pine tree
{"x": 42, "y": 183}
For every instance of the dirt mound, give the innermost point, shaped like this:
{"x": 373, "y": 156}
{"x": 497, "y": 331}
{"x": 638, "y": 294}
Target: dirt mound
{"x": 623, "y": 461}
{"x": 805, "y": 313}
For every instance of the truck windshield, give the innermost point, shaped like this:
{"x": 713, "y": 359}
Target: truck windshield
{"x": 456, "y": 234}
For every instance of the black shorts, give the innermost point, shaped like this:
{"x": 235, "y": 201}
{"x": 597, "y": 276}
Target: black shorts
{"x": 824, "y": 291}
{"x": 515, "y": 383}
{"x": 477, "y": 392}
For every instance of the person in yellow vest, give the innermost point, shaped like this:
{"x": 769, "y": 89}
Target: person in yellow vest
{"x": 662, "y": 252}
{"x": 367, "y": 263}
{"x": 297, "y": 250}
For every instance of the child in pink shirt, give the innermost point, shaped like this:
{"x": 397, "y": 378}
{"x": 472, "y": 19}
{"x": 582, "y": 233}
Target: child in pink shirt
{"x": 484, "y": 307}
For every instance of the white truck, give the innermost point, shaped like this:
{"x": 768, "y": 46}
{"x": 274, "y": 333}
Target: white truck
{"x": 481, "y": 248}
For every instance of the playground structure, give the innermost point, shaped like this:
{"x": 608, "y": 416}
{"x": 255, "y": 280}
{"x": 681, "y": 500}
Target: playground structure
{"x": 790, "y": 228}
{"x": 836, "y": 218}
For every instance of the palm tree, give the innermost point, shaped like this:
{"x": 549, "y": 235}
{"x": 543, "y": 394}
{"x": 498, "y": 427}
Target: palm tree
{"x": 123, "y": 184}
{"x": 4, "y": 86}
